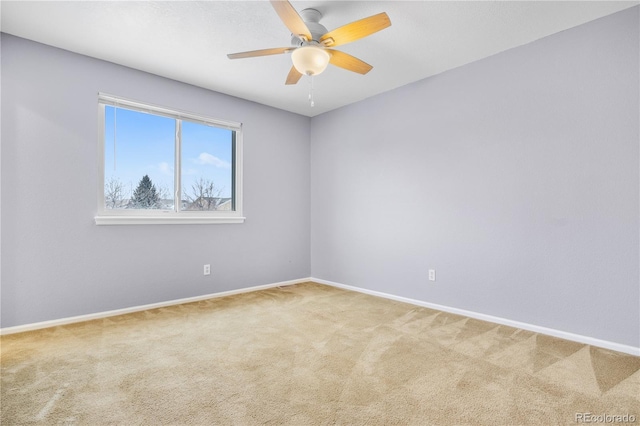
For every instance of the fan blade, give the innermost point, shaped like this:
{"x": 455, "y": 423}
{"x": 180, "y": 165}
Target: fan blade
{"x": 348, "y": 62}
{"x": 263, "y": 52}
{"x": 293, "y": 77}
{"x": 356, "y": 30}
{"x": 291, "y": 19}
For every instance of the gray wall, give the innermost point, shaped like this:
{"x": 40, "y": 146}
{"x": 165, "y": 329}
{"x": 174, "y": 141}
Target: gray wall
{"x": 57, "y": 263}
{"x": 515, "y": 177}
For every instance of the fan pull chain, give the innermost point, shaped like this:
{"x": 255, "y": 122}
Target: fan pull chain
{"x": 311, "y": 101}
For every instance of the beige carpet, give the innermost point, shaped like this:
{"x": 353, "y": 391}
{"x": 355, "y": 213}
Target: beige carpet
{"x": 307, "y": 354}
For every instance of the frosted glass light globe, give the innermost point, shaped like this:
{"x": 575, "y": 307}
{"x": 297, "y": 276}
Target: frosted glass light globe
{"x": 310, "y": 60}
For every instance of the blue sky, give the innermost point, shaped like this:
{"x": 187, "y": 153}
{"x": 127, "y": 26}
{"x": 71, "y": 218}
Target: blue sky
{"x": 145, "y": 144}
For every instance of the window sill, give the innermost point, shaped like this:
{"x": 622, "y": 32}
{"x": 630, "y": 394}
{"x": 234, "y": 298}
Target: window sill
{"x": 174, "y": 220}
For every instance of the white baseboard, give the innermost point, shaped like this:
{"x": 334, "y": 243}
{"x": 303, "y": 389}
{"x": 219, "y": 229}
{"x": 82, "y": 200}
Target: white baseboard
{"x": 106, "y": 314}
{"x": 516, "y": 324}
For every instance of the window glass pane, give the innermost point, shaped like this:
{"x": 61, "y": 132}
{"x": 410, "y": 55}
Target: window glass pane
{"x": 207, "y": 171}
{"x": 139, "y": 160}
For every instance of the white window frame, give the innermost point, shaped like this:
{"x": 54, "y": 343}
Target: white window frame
{"x": 164, "y": 217}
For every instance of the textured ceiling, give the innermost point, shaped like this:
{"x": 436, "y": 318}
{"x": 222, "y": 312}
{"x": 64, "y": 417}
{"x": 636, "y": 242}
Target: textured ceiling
{"x": 188, "y": 41}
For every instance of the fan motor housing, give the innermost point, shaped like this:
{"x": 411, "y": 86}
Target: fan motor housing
{"x": 311, "y": 18}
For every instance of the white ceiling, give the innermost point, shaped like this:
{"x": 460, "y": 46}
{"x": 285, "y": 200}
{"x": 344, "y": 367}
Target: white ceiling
{"x": 188, "y": 41}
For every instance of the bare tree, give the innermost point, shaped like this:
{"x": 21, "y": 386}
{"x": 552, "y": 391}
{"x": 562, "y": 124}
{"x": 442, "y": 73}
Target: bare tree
{"x": 204, "y": 195}
{"x": 113, "y": 193}
{"x": 165, "y": 198}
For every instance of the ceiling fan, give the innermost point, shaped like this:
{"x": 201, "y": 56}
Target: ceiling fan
{"x": 312, "y": 44}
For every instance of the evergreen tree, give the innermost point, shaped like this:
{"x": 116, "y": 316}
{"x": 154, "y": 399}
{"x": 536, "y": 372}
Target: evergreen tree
{"x": 145, "y": 196}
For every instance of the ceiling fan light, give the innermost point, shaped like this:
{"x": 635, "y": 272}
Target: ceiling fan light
{"x": 310, "y": 60}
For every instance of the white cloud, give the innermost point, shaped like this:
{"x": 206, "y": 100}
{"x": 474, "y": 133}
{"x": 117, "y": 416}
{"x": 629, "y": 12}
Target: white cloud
{"x": 208, "y": 159}
{"x": 165, "y": 168}
{"x": 190, "y": 172}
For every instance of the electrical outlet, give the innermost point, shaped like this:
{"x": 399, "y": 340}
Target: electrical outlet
{"x": 432, "y": 274}
{"x": 207, "y": 269}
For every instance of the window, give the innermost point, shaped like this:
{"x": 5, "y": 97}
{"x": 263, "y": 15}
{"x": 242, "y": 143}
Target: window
{"x": 160, "y": 166}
